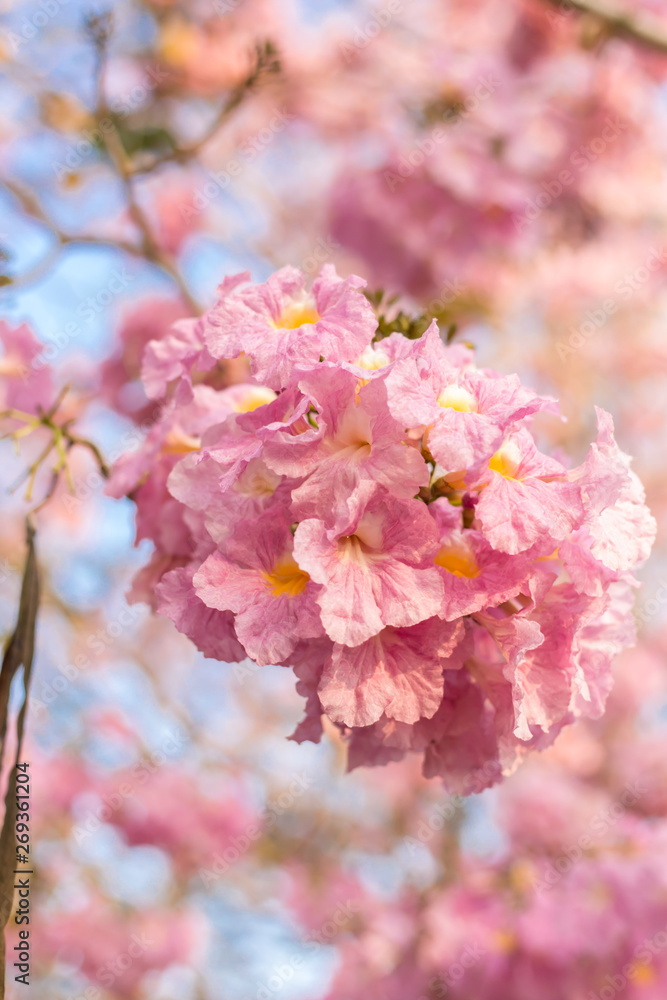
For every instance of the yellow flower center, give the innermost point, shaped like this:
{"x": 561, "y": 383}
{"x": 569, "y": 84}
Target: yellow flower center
{"x": 455, "y": 397}
{"x": 505, "y": 941}
{"x": 554, "y": 555}
{"x": 255, "y": 397}
{"x": 286, "y": 579}
{"x": 506, "y": 461}
{"x": 13, "y": 367}
{"x": 372, "y": 360}
{"x": 644, "y": 974}
{"x": 177, "y": 442}
{"x": 178, "y": 42}
{"x": 458, "y": 559}
{"x": 297, "y": 314}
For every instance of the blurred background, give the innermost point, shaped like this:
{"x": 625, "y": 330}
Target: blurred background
{"x": 498, "y": 164}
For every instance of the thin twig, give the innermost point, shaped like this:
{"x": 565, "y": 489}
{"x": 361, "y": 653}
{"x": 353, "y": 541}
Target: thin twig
{"x": 73, "y": 439}
{"x": 31, "y": 472}
{"x": 122, "y": 164}
{"x": 32, "y": 207}
{"x": 62, "y": 440}
{"x": 147, "y": 250}
{"x": 266, "y": 62}
{"x": 644, "y": 28}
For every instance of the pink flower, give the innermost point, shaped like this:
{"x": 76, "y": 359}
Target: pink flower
{"x": 25, "y": 377}
{"x": 170, "y": 200}
{"x": 416, "y": 235}
{"x": 620, "y": 527}
{"x": 277, "y": 429}
{"x": 92, "y": 937}
{"x": 377, "y": 517}
{"x": 525, "y": 499}
{"x": 375, "y": 566}
{"x": 467, "y": 412}
{"x": 361, "y": 443}
{"x": 151, "y": 320}
{"x": 272, "y": 598}
{"x": 228, "y": 477}
{"x": 282, "y": 327}
{"x": 177, "y": 532}
{"x": 475, "y": 575}
{"x": 461, "y": 741}
{"x": 399, "y": 672}
{"x": 175, "y": 355}
{"x": 307, "y": 659}
{"x": 217, "y": 811}
{"x": 211, "y": 631}
{"x": 206, "y": 486}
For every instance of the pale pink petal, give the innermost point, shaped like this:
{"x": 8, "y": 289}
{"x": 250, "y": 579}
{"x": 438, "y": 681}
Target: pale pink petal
{"x": 398, "y": 673}
{"x": 211, "y": 631}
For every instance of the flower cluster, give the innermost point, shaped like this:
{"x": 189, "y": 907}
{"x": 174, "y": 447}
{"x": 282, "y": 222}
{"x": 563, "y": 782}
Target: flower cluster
{"x": 592, "y": 923}
{"x": 376, "y": 515}
{"x": 574, "y": 898}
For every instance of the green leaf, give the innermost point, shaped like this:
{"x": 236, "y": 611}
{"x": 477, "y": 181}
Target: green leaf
{"x": 148, "y": 139}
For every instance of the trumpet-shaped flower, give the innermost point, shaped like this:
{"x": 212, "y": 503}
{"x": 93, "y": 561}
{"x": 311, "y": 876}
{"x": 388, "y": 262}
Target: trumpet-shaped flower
{"x": 272, "y": 598}
{"x": 399, "y": 672}
{"x": 374, "y": 513}
{"x": 283, "y": 328}
{"x": 375, "y": 566}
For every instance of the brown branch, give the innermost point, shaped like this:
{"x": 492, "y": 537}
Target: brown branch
{"x": 19, "y": 653}
{"x": 122, "y": 164}
{"x": 266, "y": 63}
{"x": 74, "y": 439}
{"x": 62, "y": 441}
{"x": 643, "y": 28}
{"x": 147, "y": 249}
{"x": 99, "y": 28}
